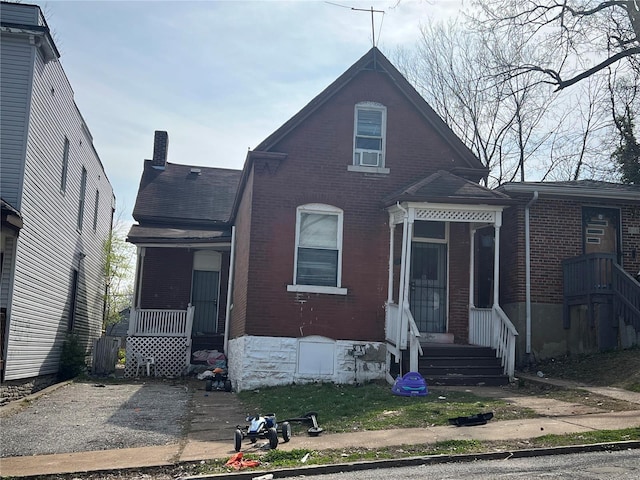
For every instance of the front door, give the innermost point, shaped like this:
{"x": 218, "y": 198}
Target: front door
{"x": 600, "y": 229}
{"x": 204, "y": 297}
{"x": 428, "y": 287}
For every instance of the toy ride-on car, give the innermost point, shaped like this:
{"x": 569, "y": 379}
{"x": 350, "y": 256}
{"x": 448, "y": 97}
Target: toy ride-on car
{"x": 262, "y": 426}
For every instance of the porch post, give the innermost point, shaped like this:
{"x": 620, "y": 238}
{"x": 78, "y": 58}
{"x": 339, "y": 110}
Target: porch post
{"x": 403, "y": 267}
{"x": 392, "y": 229}
{"x": 496, "y": 260}
{"x": 472, "y": 267}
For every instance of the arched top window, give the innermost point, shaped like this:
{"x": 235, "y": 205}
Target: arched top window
{"x": 318, "y": 255}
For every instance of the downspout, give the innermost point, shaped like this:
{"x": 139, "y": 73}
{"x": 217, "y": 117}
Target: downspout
{"x": 229, "y": 289}
{"x": 527, "y": 241}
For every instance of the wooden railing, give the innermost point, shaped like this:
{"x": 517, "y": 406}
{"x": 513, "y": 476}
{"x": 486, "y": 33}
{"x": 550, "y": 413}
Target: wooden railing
{"x": 491, "y": 327}
{"x": 588, "y": 274}
{"x": 481, "y": 326}
{"x": 505, "y": 340}
{"x": 626, "y": 301}
{"x": 161, "y": 323}
{"x": 401, "y": 332}
{"x": 392, "y": 327}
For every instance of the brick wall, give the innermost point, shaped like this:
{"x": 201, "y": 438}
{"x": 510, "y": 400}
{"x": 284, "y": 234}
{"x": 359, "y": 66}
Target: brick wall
{"x": 315, "y": 171}
{"x": 556, "y": 234}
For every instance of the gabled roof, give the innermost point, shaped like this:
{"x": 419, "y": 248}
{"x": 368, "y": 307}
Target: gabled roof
{"x": 444, "y": 187}
{"x": 584, "y": 189}
{"x": 376, "y": 61}
{"x": 182, "y": 195}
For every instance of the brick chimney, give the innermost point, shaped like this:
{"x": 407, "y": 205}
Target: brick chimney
{"x": 160, "y": 148}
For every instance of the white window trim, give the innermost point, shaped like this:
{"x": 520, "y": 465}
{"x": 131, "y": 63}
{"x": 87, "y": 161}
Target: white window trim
{"x": 321, "y": 209}
{"x": 380, "y": 168}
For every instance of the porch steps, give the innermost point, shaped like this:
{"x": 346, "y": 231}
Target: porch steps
{"x": 447, "y": 364}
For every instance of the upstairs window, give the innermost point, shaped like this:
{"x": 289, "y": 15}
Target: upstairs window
{"x": 95, "y": 211}
{"x": 369, "y": 135}
{"x": 83, "y": 192}
{"x": 65, "y": 166}
{"x": 318, "y": 256}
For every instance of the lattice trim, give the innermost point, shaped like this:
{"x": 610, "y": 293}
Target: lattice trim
{"x": 170, "y": 355}
{"x": 454, "y": 215}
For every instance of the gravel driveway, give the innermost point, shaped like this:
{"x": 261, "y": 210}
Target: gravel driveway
{"x": 92, "y": 416}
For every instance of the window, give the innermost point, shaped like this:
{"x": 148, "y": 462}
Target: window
{"x": 95, "y": 211}
{"x": 318, "y": 256}
{"x": 65, "y": 166}
{"x": 71, "y": 319}
{"x": 369, "y": 132}
{"x": 83, "y": 191}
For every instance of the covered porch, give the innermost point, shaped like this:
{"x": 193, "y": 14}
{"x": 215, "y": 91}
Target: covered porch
{"x": 180, "y": 302}
{"x": 434, "y": 275}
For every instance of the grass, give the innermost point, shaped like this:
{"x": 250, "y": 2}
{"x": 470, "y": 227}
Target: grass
{"x": 347, "y": 408}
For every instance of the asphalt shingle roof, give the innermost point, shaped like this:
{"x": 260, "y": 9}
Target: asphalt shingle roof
{"x": 185, "y": 195}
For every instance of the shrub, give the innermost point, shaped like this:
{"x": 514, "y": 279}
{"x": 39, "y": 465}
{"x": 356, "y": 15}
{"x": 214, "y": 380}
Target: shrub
{"x": 72, "y": 361}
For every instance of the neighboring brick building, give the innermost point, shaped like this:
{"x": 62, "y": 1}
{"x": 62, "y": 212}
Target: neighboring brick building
{"x": 591, "y": 228}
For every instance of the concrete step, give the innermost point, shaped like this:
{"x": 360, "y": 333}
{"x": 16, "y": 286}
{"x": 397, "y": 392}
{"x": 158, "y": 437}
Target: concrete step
{"x": 464, "y": 370}
{"x": 428, "y": 361}
{"x": 461, "y": 380}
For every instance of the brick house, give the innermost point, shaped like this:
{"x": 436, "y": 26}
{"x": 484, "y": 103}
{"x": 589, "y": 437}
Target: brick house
{"x": 570, "y": 260}
{"x": 348, "y": 238}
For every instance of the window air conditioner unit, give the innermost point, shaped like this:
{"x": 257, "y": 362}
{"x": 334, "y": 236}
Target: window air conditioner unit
{"x": 368, "y": 158}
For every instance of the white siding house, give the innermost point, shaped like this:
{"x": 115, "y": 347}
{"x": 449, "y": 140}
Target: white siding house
{"x": 57, "y": 208}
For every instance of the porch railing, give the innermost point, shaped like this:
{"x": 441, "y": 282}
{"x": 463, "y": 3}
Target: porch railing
{"x": 161, "y": 323}
{"x": 401, "y": 332}
{"x": 626, "y": 301}
{"x": 588, "y": 274}
{"x": 491, "y": 327}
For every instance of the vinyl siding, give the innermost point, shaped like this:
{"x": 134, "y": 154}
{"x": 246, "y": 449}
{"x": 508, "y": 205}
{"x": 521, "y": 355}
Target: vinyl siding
{"x": 16, "y": 60}
{"x": 21, "y": 14}
{"x": 49, "y": 244}
{"x": 7, "y": 267}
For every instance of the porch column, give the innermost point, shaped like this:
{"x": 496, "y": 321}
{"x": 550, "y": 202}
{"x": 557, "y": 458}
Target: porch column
{"x": 392, "y": 229}
{"x": 403, "y": 268}
{"x": 472, "y": 267}
{"x": 496, "y": 260}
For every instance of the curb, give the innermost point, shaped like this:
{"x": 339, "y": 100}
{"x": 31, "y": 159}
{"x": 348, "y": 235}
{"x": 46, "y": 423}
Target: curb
{"x": 424, "y": 460}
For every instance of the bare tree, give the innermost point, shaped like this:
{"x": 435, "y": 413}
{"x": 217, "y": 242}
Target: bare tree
{"x": 505, "y": 120}
{"x": 579, "y": 38}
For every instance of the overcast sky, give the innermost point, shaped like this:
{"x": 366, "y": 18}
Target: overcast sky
{"x": 219, "y": 76}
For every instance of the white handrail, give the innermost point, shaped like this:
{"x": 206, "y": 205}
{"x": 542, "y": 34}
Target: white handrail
{"x": 505, "y": 334}
{"x": 491, "y": 327}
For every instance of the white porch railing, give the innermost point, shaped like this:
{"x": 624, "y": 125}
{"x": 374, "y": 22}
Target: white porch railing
{"x": 402, "y": 332}
{"x": 161, "y": 323}
{"x": 491, "y": 327}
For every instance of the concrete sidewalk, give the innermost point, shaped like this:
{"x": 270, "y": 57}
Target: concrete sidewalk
{"x": 196, "y": 447}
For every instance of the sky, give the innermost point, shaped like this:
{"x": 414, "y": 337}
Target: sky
{"x": 218, "y": 76}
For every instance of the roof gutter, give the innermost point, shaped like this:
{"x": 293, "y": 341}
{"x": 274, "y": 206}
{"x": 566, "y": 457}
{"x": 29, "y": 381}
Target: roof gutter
{"x": 570, "y": 191}
{"x": 527, "y": 239}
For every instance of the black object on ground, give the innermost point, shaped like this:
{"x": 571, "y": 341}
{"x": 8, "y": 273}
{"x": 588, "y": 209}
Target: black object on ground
{"x": 471, "y": 420}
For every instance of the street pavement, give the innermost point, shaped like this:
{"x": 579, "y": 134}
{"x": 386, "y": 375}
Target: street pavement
{"x": 211, "y": 433}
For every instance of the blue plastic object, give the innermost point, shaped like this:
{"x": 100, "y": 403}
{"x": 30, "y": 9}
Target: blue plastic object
{"x": 410, "y": 385}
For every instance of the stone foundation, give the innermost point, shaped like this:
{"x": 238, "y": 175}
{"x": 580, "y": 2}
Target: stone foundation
{"x": 256, "y": 362}
{"x": 16, "y": 389}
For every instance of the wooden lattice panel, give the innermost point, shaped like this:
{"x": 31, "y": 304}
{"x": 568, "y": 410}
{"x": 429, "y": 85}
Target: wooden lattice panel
{"x": 454, "y": 215}
{"x": 170, "y": 355}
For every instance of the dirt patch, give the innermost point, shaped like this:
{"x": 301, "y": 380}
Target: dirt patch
{"x": 619, "y": 368}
